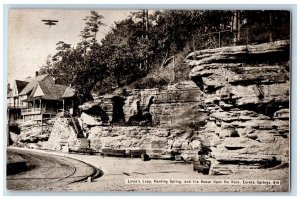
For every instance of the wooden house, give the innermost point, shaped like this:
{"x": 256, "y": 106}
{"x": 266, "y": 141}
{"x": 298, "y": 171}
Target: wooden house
{"x": 41, "y": 98}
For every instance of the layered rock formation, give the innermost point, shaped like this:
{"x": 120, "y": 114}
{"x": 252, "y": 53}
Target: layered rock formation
{"x": 176, "y": 106}
{"x": 235, "y": 112}
{"x": 33, "y": 134}
{"x": 159, "y": 142}
{"x": 62, "y": 135}
{"x": 246, "y": 94}
{"x": 179, "y": 106}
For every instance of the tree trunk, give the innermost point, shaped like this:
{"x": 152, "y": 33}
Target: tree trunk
{"x": 143, "y": 18}
{"x": 147, "y": 24}
{"x": 236, "y": 26}
{"x": 270, "y": 28}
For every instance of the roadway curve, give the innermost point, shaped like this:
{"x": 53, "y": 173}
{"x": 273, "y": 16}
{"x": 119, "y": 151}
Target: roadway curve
{"x": 47, "y": 172}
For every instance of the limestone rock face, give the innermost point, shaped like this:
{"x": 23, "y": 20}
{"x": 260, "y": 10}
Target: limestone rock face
{"x": 99, "y": 110}
{"x": 33, "y": 133}
{"x": 61, "y": 135}
{"x": 135, "y": 97}
{"x": 246, "y": 93}
{"x": 158, "y": 142}
{"x": 179, "y": 105}
{"x": 90, "y": 120}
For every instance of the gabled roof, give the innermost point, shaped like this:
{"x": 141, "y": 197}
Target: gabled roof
{"x": 37, "y": 78}
{"x": 33, "y": 83}
{"x": 52, "y": 91}
{"x": 20, "y": 85}
{"x": 69, "y": 92}
{"x": 47, "y": 90}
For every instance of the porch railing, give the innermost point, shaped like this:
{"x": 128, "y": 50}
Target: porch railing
{"x": 12, "y": 105}
{"x": 32, "y": 111}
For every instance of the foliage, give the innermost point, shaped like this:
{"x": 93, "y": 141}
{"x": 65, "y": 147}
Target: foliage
{"x": 136, "y": 47}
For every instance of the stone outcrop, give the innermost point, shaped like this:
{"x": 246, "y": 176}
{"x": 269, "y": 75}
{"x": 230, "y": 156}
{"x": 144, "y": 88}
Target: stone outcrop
{"x": 176, "y": 106}
{"x": 160, "y": 143}
{"x": 90, "y": 120}
{"x": 246, "y": 94}
{"x": 179, "y": 106}
{"x": 33, "y": 133}
{"x": 98, "y": 111}
{"x": 61, "y": 136}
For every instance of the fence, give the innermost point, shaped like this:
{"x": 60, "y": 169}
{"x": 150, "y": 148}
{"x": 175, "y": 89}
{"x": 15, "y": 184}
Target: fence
{"x": 245, "y": 36}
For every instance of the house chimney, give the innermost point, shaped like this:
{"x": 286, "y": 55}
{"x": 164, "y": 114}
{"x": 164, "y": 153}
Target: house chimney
{"x": 36, "y": 73}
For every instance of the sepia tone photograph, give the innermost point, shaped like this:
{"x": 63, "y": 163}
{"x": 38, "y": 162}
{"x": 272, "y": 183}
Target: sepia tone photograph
{"x": 148, "y": 100}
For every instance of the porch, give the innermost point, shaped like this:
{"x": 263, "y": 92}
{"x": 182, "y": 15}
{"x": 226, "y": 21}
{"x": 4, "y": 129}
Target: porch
{"x": 37, "y": 111}
{"x": 41, "y": 106}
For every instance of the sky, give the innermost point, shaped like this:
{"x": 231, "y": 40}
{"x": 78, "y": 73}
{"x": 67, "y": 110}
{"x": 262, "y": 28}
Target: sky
{"x": 31, "y": 41}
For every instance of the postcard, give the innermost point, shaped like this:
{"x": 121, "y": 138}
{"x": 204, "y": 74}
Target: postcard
{"x": 148, "y": 100}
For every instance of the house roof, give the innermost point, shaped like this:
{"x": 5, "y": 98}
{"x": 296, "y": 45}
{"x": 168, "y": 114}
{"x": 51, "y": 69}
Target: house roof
{"x": 37, "y": 78}
{"x": 20, "y": 85}
{"x": 52, "y": 91}
{"x": 69, "y": 92}
{"x": 33, "y": 83}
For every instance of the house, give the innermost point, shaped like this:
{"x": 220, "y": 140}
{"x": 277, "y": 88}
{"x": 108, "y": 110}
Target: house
{"x": 40, "y": 97}
{"x": 70, "y": 103}
{"x": 13, "y": 112}
{"x": 10, "y": 99}
{"x": 17, "y": 89}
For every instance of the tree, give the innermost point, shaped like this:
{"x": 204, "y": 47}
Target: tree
{"x": 90, "y": 69}
{"x": 89, "y": 33}
{"x": 63, "y": 65}
{"x": 138, "y": 44}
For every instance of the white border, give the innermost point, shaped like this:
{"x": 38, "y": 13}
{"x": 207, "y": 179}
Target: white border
{"x": 134, "y": 4}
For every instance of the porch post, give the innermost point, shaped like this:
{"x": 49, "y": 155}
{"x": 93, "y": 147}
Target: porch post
{"x": 72, "y": 106}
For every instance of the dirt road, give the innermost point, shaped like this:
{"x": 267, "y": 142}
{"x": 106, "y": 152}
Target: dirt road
{"x": 46, "y": 171}
{"x": 119, "y": 170}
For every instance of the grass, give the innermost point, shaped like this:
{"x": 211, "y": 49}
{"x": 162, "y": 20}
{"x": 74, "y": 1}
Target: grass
{"x": 162, "y": 75}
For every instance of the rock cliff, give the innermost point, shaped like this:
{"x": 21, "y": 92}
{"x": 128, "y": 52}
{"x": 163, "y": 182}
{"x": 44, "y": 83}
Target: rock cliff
{"x": 177, "y": 106}
{"x": 33, "y": 134}
{"x": 246, "y": 94}
{"x": 159, "y": 143}
{"x": 61, "y": 136}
